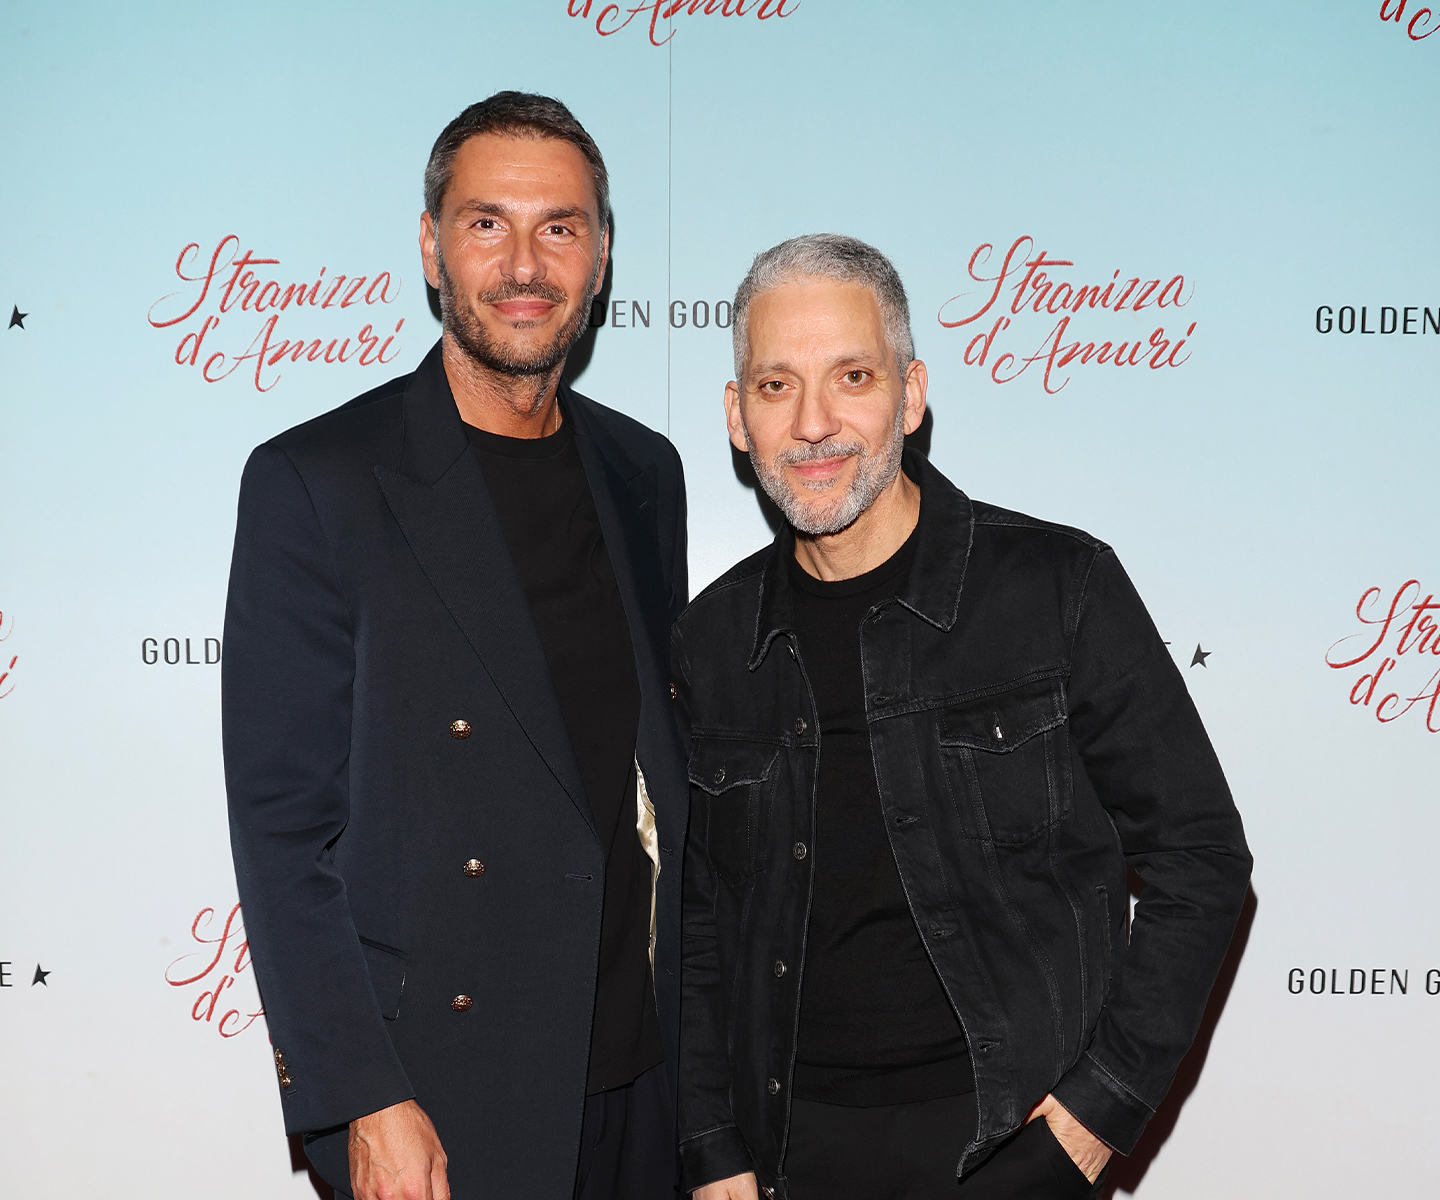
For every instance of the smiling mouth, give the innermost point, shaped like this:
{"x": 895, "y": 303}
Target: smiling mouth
{"x": 819, "y": 472}
{"x": 524, "y": 309}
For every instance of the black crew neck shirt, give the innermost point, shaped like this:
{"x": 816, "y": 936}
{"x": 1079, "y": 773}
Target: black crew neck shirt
{"x": 548, "y": 516}
{"x": 875, "y": 1025}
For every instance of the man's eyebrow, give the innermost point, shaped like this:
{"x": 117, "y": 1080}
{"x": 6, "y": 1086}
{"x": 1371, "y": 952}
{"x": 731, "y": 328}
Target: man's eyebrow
{"x": 859, "y": 359}
{"x": 490, "y": 208}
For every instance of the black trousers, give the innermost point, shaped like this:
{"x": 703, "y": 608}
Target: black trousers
{"x": 627, "y": 1143}
{"x": 627, "y": 1146}
{"x": 910, "y": 1152}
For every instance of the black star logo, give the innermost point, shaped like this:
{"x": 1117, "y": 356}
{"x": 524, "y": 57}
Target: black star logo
{"x": 17, "y": 318}
{"x": 1200, "y": 656}
{"x": 39, "y": 976}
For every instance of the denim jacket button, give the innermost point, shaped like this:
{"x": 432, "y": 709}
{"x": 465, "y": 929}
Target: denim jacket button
{"x": 800, "y": 725}
{"x": 798, "y": 850}
{"x": 719, "y": 776}
{"x": 773, "y": 1086}
{"x": 779, "y": 969}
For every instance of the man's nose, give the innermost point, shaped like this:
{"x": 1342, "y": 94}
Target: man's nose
{"x": 523, "y": 264}
{"x": 815, "y": 419}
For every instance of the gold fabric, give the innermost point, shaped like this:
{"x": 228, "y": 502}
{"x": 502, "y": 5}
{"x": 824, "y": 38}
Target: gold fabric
{"x": 650, "y": 839}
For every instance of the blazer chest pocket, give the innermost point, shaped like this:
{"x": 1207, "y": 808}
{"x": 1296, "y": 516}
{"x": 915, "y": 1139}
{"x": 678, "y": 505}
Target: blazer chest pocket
{"x": 737, "y": 778}
{"x": 1004, "y": 757}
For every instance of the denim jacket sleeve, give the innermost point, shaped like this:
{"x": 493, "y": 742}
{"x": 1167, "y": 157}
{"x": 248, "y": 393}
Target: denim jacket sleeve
{"x": 711, "y": 1147}
{"x": 1151, "y": 764}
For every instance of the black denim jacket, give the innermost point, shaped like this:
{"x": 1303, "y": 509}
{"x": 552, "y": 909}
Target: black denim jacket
{"x": 1031, "y": 736}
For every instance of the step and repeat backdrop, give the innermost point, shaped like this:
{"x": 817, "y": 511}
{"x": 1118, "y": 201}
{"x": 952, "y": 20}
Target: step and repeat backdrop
{"x": 1176, "y": 274}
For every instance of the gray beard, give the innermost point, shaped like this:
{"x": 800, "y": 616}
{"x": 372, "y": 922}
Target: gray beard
{"x": 467, "y": 332}
{"x": 874, "y": 472}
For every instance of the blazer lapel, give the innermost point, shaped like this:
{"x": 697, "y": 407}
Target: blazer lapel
{"x": 625, "y": 501}
{"x": 439, "y": 499}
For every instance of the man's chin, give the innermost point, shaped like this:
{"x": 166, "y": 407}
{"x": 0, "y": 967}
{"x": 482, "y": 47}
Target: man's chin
{"x": 815, "y": 521}
{"x": 517, "y": 357}
{"x": 522, "y": 351}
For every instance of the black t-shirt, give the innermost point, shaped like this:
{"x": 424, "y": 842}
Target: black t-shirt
{"x": 548, "y": 516}
{"x": 875, "y": 1025}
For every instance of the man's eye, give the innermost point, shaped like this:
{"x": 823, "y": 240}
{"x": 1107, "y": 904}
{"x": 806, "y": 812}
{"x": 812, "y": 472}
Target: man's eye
{"x": 485, "y": 223}
{"x": 855, "y": 376}
{"x": 773, "y": 385}
{"x": 558, "y": 229}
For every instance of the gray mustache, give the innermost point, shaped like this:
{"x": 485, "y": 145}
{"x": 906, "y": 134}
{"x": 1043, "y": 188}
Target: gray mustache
{"x": 829, "y": 448}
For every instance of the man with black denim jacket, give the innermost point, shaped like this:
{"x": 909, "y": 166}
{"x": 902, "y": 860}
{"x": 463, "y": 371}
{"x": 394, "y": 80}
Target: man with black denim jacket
{"x": 927, "y": 737}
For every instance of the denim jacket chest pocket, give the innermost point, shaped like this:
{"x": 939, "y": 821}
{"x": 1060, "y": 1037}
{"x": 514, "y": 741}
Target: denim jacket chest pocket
{"x": 736, "y": 778}
{"x": 1005, "y": 758}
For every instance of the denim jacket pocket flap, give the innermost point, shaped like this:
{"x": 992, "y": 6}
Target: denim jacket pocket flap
{"x": 1003, "y": 721}
{"x": 387, "y": 975}
{"x": 718, "y": 764}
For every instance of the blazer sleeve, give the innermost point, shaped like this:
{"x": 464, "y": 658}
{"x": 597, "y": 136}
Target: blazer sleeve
{"x": 287, "y": 676}
{"x": 1152, "y": 766}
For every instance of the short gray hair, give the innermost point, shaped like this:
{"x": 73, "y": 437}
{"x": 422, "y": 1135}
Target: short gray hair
{"x": 827, "y": 256}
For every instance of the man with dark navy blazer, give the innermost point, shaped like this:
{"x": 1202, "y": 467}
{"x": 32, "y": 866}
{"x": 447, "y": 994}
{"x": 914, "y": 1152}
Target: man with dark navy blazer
{"x": 457, "y": 794}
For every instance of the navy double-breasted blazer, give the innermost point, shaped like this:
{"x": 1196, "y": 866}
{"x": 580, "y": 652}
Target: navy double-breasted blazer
{"x": 373, "y": 603}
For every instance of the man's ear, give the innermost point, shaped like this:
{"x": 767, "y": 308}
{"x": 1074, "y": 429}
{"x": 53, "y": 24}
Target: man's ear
{"x": 733, "y": 420}
{"x": 917, "y": 380}
{"x": 427, "y": 250}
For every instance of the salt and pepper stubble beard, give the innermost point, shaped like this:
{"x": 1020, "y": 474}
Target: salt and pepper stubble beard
{"x": 874, "y": 472}
{"x": 460, "y": 321}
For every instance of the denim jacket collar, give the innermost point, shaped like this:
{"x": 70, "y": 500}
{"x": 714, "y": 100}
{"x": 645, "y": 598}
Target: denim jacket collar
{"x": 932, "y": 589}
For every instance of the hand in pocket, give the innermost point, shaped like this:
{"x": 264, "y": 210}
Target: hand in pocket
{"x": 1086, "y": 1151}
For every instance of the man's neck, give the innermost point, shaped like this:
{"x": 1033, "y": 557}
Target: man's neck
{"x": 868, "y": 541}
{"x": 518, "y": 406}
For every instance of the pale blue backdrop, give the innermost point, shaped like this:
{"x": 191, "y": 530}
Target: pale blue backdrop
{"x": 1281, "y": 157}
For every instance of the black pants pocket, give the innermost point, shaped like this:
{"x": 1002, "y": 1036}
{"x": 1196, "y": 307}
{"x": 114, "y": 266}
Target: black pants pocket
{"x": 1066, "y": 1172}
{"x": 1032, "y": 1165}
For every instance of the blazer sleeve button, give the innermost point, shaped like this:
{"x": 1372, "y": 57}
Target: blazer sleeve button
{"x": 474, "y": 868}
{"x": 460, "y": 729}
{"x": 461, "y": 1003}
